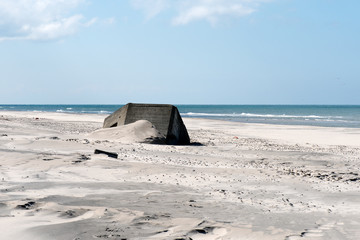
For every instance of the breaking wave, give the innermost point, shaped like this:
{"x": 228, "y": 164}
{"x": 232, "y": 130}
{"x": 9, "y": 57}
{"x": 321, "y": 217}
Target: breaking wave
{"x": 252, "y": 115}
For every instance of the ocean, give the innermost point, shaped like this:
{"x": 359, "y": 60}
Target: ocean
{"x": 310, "y": 115}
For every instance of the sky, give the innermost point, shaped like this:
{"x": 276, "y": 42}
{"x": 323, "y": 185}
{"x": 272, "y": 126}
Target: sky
{"x": 179, "y": 51}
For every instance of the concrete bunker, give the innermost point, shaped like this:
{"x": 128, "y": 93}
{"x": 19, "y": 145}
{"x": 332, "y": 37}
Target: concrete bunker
{"x": 166, "y": 119}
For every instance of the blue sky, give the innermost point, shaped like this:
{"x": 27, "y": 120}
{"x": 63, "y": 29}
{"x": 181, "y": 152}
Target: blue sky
{"x": 179, "y": 51}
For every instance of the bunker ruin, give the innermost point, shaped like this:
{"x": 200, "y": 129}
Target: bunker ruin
{"x": 166, "y": 119}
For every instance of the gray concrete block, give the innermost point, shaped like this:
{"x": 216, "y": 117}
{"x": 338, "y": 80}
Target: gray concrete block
{"x": 166, "y": 118}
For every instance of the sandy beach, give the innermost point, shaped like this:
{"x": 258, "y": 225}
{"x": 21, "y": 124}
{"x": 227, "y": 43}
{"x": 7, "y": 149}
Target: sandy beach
{"x": 235, "y": 181}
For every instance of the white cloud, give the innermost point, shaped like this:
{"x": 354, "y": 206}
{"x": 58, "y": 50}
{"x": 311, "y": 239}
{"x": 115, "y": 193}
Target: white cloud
{"x": 212, "y": 10}
{"x": 109, "y": 21}
{"x": 193, "y": 10}
{"x": 152, "y": 7}
{"x": 40, "y": 19}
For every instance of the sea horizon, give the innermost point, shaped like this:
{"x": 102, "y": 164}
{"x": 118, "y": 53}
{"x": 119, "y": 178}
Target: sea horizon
{"x": 283, "y": 114}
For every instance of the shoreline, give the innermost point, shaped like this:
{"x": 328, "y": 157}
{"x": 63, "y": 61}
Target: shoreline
{"x": 103, "y": 116}
{"x": 245, "y": 180}
{"x": 347, "y": 116}
{"x": 335, "y": 135}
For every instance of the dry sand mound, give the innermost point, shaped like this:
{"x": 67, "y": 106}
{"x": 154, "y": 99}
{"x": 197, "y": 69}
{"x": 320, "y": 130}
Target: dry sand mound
{"x": 139, "y": 131}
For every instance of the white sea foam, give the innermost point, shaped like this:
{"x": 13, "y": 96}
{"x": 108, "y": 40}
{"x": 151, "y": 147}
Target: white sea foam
{"x": 63, "y": 111}
{"x": 97, "y": 112}
{"x": 335, "y": 120}
{"x": 256, "y": 115}
{"x": 105, "y": 112}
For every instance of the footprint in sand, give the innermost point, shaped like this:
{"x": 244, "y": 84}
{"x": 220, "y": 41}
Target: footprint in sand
{"x": 73, "y": 213}
{"x": 207, "y": 233}
{"x": 314, "y": 233}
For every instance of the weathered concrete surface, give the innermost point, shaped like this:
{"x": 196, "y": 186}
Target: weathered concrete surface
{"x": 166, "y": 118}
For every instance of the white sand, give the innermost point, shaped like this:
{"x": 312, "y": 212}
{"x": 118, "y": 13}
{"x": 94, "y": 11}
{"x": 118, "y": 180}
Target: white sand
{"x": 238, "y": 181}
{"x": 135, "y": 132}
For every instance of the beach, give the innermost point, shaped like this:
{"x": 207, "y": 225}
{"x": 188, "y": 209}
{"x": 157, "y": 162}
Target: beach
{"x": 235, "y": 181}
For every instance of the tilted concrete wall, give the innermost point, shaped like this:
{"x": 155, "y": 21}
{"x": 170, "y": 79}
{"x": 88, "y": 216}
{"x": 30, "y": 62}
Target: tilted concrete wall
{"x": 166, "y": 119}
{"x": 158, "y": 115}
{"x": 117, "y": 118}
